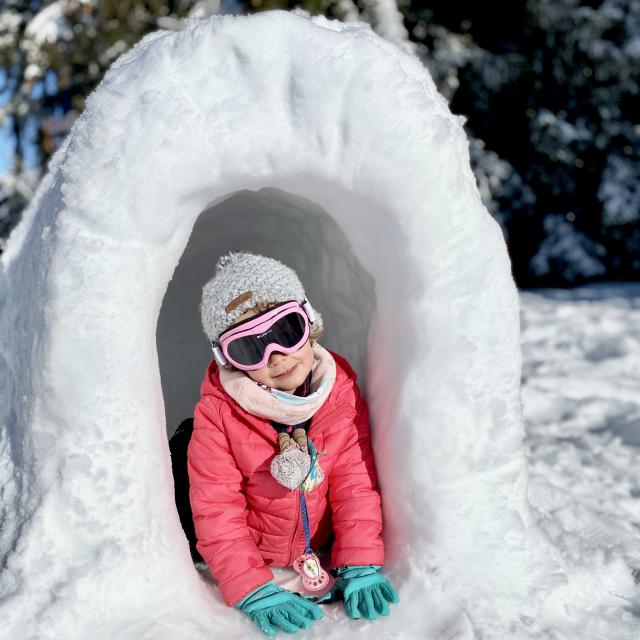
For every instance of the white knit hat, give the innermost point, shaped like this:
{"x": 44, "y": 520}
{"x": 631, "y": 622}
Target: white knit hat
{"x": 241, "y": 281}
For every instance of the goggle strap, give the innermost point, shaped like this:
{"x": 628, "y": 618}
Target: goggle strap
{"x": 218, "y": 355}
{"x": 308, "y": 309}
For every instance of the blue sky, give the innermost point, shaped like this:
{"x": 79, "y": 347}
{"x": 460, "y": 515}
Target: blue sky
{"x": 7, "y": 140}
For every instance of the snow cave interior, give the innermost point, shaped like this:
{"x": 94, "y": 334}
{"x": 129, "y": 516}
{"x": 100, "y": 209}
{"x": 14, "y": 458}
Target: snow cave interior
{"x": 278, "y": 224}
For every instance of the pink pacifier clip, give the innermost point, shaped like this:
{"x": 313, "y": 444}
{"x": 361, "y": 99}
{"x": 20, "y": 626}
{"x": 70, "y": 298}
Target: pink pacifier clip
{"x": 315, "y": 580}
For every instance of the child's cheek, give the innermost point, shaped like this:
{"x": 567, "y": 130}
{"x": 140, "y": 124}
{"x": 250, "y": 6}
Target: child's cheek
{"x": 308, "y": 355}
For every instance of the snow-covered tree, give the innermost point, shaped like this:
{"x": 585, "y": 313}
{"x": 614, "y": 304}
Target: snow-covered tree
{"x": 587, "y": 130}
{"x": 551, "y": 87}
{"x": 568, "y": 251}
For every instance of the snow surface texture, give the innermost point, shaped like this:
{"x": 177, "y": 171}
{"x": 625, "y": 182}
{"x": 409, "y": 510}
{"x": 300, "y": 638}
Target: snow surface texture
{"x": 581, "y": 374}
{"x": 364, "y": 178}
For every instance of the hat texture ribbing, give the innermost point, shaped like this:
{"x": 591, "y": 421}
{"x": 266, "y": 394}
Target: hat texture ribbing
{"x": 241, "y": 281}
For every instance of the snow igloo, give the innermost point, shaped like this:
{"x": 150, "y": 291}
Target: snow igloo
{"x": 320, "y": 144}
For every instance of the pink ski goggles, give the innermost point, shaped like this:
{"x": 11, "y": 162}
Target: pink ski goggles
{"x": 248, "y": 344}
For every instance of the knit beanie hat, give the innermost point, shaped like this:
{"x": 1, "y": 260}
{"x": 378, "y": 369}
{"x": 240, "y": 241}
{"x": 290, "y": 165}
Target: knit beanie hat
{"x": 241, "y": 281}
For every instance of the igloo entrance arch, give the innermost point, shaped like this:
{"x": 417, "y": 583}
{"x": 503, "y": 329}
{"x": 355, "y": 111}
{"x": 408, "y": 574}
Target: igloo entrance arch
{"x": 331, "y": 126}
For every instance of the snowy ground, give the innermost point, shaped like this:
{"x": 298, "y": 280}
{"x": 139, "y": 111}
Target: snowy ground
{"x": 581, "y": 396}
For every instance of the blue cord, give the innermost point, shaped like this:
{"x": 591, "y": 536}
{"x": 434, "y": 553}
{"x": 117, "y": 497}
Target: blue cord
{"x": 305, "y": 522}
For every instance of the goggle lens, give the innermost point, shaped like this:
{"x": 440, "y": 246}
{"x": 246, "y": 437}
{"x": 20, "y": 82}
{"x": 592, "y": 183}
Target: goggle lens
{"x": 286, "y": 332}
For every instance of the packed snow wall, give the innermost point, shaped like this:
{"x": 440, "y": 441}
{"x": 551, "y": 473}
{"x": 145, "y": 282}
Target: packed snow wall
{"x": 321, "y": 144}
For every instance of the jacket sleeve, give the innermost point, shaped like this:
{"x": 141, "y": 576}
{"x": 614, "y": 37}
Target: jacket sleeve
{"x": 219, "y": 510}
{"x": 355, "y": 497}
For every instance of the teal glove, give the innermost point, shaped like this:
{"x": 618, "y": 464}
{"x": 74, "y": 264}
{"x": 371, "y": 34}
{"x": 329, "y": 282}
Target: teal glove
{"x": 271, "y": 607}
{"x": 366, "y": 592}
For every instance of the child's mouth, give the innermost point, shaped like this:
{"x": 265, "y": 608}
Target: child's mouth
{"x": 287, "y": 373}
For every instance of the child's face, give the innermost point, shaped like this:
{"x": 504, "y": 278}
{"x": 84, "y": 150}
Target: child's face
{"x": 285, "y": 372}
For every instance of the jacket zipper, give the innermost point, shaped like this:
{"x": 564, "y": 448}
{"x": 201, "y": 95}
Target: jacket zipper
{"x": 340, "y": 411}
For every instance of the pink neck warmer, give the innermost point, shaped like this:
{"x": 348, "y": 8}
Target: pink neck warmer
{"x": 283, "y": 407}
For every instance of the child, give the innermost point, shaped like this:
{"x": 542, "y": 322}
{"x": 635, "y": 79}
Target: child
{"x": 280, "y": 461}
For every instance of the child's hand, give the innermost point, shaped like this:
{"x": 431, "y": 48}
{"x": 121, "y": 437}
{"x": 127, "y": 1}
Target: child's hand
{"x": 272, "y": 608}
{"x": 366, "y": 592}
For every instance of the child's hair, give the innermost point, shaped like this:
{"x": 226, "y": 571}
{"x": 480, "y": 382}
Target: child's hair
{"x": 315, "y": 330}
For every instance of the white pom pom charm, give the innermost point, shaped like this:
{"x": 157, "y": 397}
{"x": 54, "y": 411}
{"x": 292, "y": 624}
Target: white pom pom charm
{"x": 291, "y": 467}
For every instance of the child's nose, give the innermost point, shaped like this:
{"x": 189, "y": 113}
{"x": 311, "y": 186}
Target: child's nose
{"x": 276, "y": 356}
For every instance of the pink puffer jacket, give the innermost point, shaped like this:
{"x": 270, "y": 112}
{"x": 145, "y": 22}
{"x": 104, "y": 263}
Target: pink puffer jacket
{"x": 245, "y": 521}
